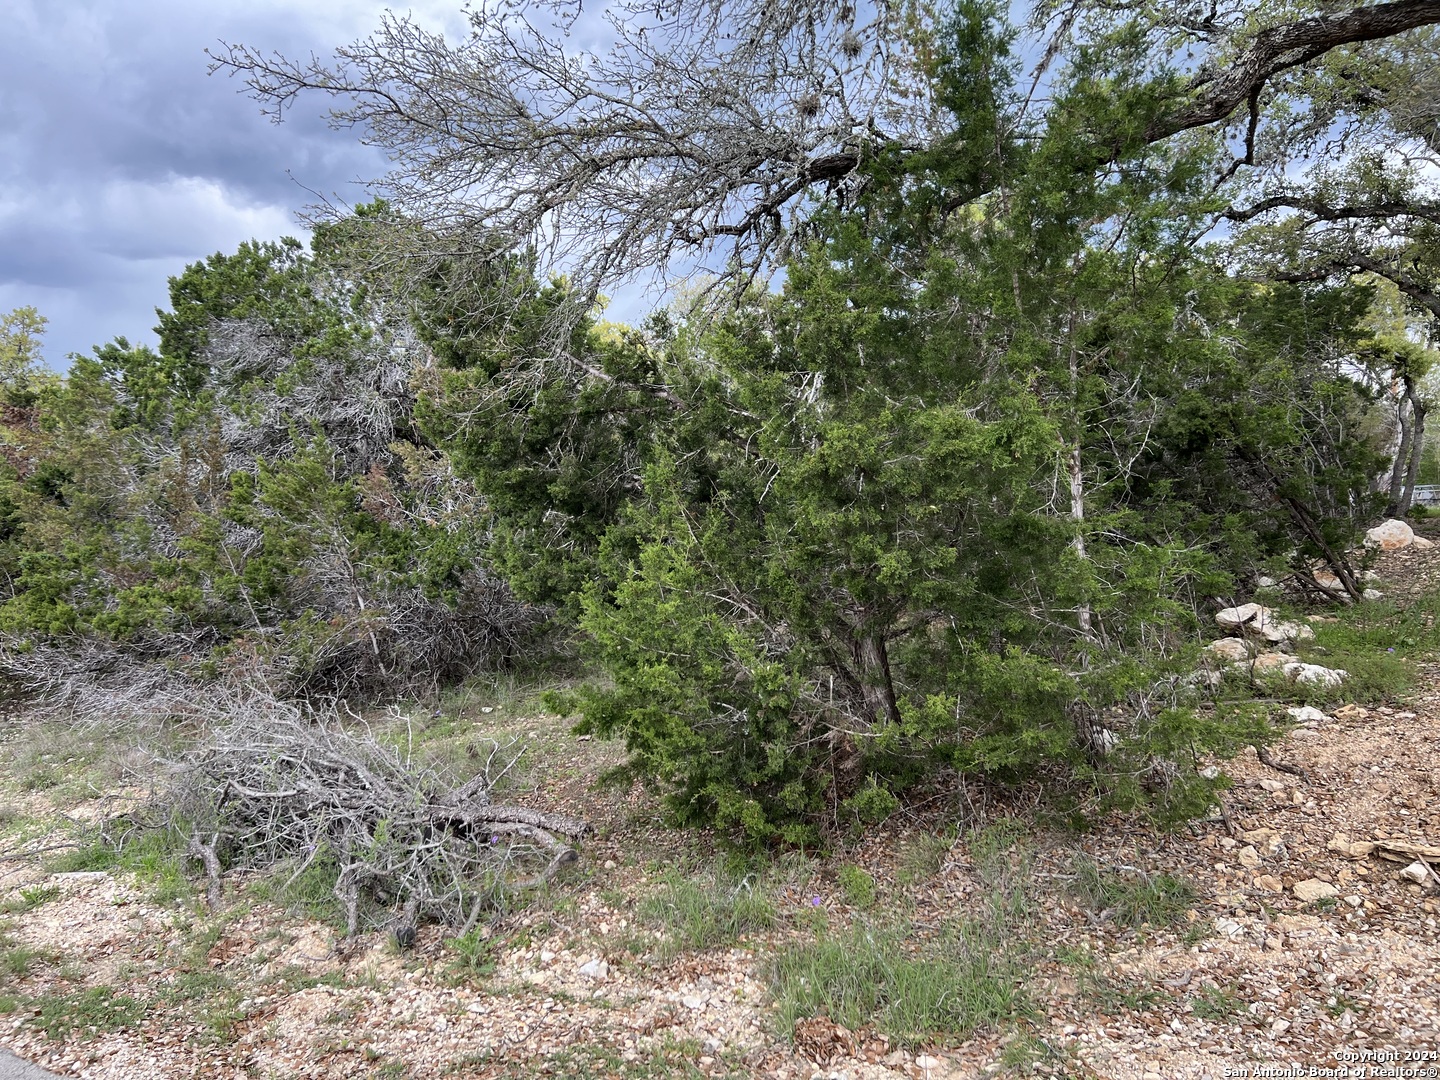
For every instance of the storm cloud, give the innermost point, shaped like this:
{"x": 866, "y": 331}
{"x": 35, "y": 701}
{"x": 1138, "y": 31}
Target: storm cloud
{"x": 122, "y": 160}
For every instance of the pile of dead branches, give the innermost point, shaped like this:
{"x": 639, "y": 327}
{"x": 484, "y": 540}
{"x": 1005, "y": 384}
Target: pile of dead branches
{"x": 278, "y": 785}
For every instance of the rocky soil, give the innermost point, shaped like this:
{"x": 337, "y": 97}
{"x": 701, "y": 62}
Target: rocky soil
{"x": 1301, "y": 949}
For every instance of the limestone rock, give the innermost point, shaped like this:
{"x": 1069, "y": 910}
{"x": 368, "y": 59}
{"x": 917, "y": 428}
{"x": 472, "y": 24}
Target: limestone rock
{"x": 1312, "y": 889}
{"x": 1232, "y": 618}
{"x": 1314, "y": 675}
{"x": 595, "y": 969}
{"x": 1372, "y": 594}
{"x": 1420, "y": 543}
{"x": 1259, "y": 621}
{"x": 1248, "y": 856}
{"x": 1416, "y": 872}
{"x": 1390, "y": 535}
{"x": 1232, "y": 649}
{"x": 1306, "y": 714}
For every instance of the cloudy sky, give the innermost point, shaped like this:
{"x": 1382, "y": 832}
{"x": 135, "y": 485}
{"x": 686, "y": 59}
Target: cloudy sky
{"x": 122, "y": 160}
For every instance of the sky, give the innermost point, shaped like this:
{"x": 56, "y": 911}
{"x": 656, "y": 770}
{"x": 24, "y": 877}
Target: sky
{"x": 122, "y": 160}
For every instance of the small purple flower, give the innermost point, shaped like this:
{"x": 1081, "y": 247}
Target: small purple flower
{"x": 814, "y": 901}
{"x": 1389, "y": 650}
{"x": 494, "y": 839}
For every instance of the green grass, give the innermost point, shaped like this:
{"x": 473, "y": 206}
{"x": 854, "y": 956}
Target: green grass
{"x": 153, "y": 853}
{"x": 472, "y": 955}
{"x": 17, "y": 961}
{"x": 88, "y": 1012}
{"x": 1132, "y": 898}
{"x": 307, "y": 890}
{"x": 877, "y": 975}
{"x": 29, "y": 898}
{"x": 1217, "y": 1003}
{"x": 857, "y": 886}
{"x": 922, "y": 857}
{"x": 707, "y": 909}
{"x": 1379, "y": 643}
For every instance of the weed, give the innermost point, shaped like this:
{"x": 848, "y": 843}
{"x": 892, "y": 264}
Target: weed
{"x": 308, "y": 889}
{"x": 1338, "y": 1004}
{"x": 1112, "y": 994}
{"x": 857, "y": 885}
{"x": 1132, "y": 897}
{"x": 88, "y": 1011}
{"x": 29, "y": 899}
{"x": 705, "y": 911}
{"x": 474, "y": 955}
{"x": 1217, "y": 1003}
{"x": 875, "y": 975}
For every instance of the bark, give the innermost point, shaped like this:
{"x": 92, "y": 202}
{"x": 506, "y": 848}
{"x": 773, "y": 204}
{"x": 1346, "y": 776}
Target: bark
{"x": 1402, "y": 455}
{"x": 1279, "y": 48}
{"x": 1417, "y": 451}
{"x": 878, "y": 687}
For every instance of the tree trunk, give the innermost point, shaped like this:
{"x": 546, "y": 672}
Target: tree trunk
{"x": 1402, "y": 453}
{"x": 1417, "y": 451}
{"x": 876, "y": 684}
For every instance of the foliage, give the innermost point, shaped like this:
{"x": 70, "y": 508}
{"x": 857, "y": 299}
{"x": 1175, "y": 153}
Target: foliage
{"x": 249, "y": 502}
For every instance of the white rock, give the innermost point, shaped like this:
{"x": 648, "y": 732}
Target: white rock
{"x": 1372, "y": 594}
{"x": 1306, "y": 714}
{"x": 1264, "y": 581}
{"x": 1315, "y": 675}
{"x": 1390, "y": 535}
{"x": 1230, "y": 649}
{"x": 925, "y": 1061}
{"x": 1248, "y": 856}
{"x": 1416, "y": 872}
{"x": 1274, "y": 787}
{"x": 692, "y": 1001}
{"x": 1422, "y": 544}
{"x": 1312, "y": 889}
{"x": 595, "y": 969}
{"x": 1229, "y": 928}
{"x": 1232, "y": 618}
{"x": 1370, "y": 577}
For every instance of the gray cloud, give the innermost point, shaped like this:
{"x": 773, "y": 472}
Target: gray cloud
{"x": 121, "y": 160}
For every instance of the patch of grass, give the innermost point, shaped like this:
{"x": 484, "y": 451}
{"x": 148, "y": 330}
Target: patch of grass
{"x": 876, "y": 975}
{"x": 17, "y": 960}
{"x": 1378, "y": 642}
{"x": 1338, "y": 1004}
{"x": 857, "y": 885}
{"x": 706, "y": 910}
{"x": 308, "y": 889}
{"x": 30, "y": 898}
{"x": 1132, "y": 897}
{"x": 1217, "y": 1003}
{"x": 41, "y": 778}
{"x": 91, "y": 854}
{"x": 1113, "y": 994}
{"x": 88, "y": 1012}
{"x": 992, "y": 847}
{"x": 922, "y": 857}
{"x": 473, "y": 955}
